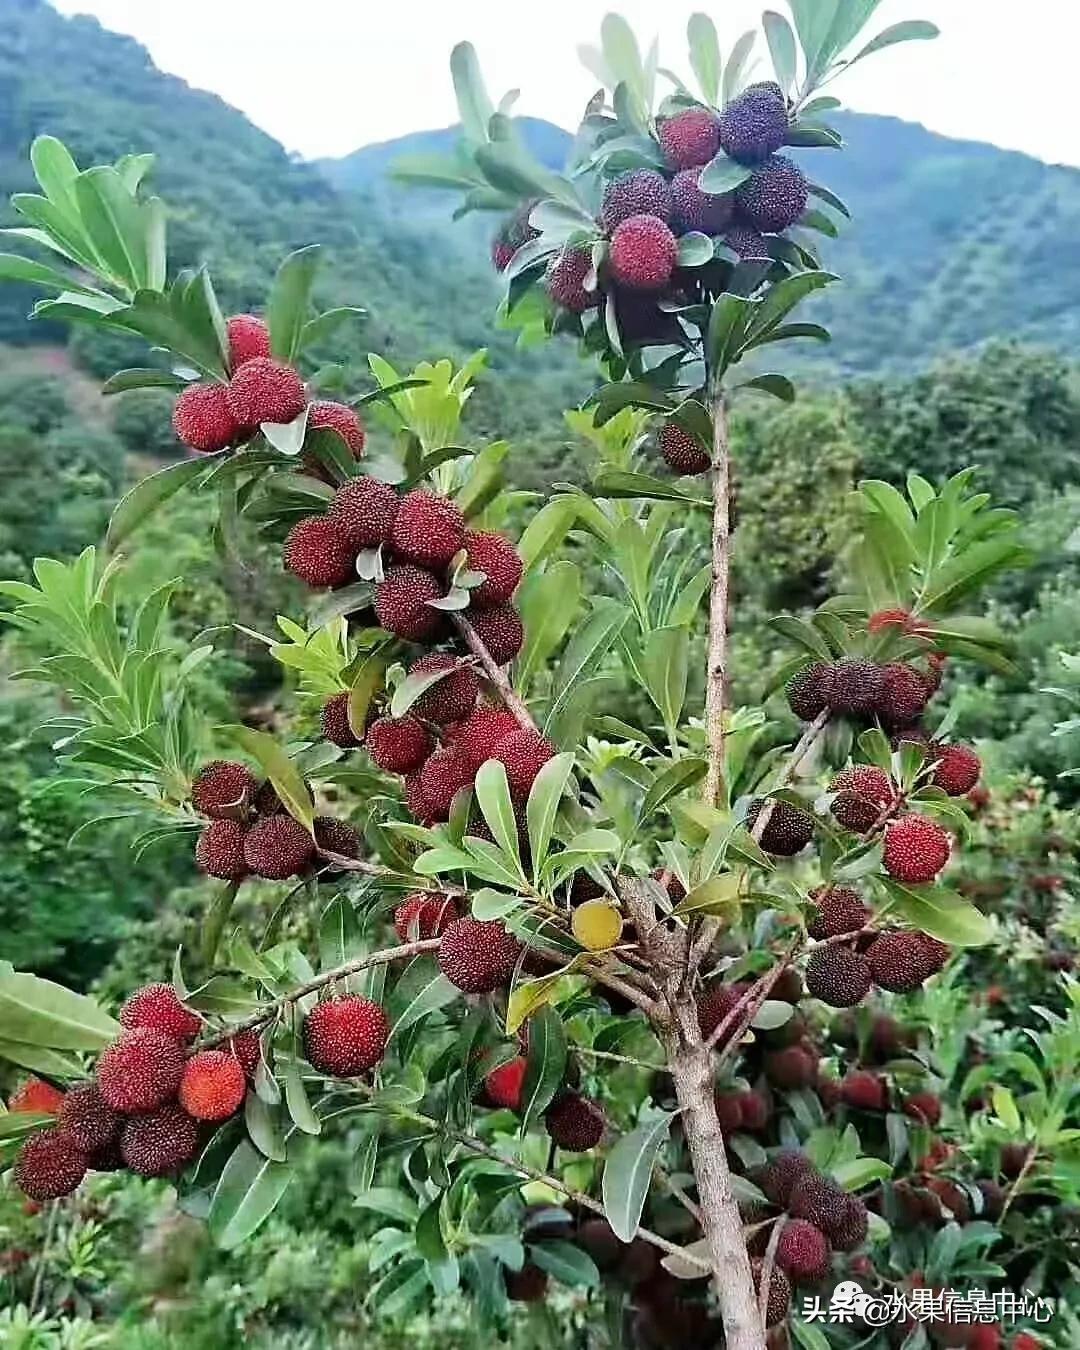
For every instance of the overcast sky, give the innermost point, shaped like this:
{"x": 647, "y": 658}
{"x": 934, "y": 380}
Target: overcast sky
{"x": 326, "y": 76}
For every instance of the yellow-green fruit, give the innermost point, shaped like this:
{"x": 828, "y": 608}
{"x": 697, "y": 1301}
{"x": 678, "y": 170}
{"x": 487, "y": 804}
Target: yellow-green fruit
{"x": 597, "y": 924}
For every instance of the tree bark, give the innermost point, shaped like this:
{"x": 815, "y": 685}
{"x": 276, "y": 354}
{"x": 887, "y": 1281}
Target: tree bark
{"x": 716, "y": 670}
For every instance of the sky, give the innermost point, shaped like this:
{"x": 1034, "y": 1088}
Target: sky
{"x": 326, "y": 76}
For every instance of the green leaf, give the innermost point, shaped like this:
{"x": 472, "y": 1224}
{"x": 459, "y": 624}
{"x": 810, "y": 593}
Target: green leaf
{"x": 780, "y": 300}
{"x": 474, "y": 104}
{"x": 549, "y": 602}
{"x": 428, "y": 1231}
{"x": 148, "y": 494}
{"x": 942, "y": 913}
{"x": 779, "y": 386}
{"x": 248, "y": 1190}
{"x": 716, "y": 895}
{"x": 56, "y": 172}
{"x": 16, "y": 268}
{"x": 628, "y": 1171}
{"x": 586, "y": 649}
{"x": 722, "y": 175}
{"x": 543, "y": 805}
{"x": 261, "y": 1121}
{"x": 296, "y": 1100}
{"x": 617, "y": 483}
{"x": 704, "y": 55}
{"x": 695, "y": 249}
{"x": 728, "y": 327}
{"x": 394, "y": 1204}
{"x": 830, "y": 198}
{"x": 860, "y": 1172}
{"x": 910, "y": 30}
{"x": 675, "y": 779}
{"x": 546, "y": 530}
{"x": 531, "y": 995}
{"x": 782, "y": 48}
{"x": 665, "y": 663}
{"x": 39, "y": 1059}
{"x": 290, "y": 299}
{"x": 493, "y": 798}
{"x": 434, "y": 994}
{"x": 147, "y": 378}
{"x": 114, "y": 222}
{"x": 569, "y": 1264}
{"x": 1005, "y": 1108}
{"x": 545, "y": 1064}
{"x": 410, "y": 689}
{"x": 325, "y": 325}
{"x": 216, "y": 918}
{"x": 733, "y": 70}
{"x": 280, "y": 769}
{"x": 39, "y": 1012}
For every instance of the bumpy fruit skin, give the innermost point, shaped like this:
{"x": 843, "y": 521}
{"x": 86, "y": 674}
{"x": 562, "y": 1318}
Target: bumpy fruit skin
{"x": 690, "y": 139}
{"x": 402, "y": 602}
{"x": 803, "y": 1251}
{"x": 904, "y": 694}
{"x": 773, "y": 197}
{"x": 503, "y": 1085}
{"x": 597, "y": 925}
{"x": 477, "y": 956}
{"x": 899, "y": 962}
{"x": 246, "y": 1048}
{"x": 335, "y": 721}
{"x": 789, "y": 830}
{"x": 643, "y": 253}
{"x": 213, "y": 1085}
{"x": 715, "y": 1004}
{"x": 423, "y": 915}
{"x": 500, "y": 630}
{"x": 202, "y": 418}
{"x": 755, "y": 124}
{"x": 335, "y": 836}
{"x": 756, "y": 1110}
{"x": 37, "y": 1096}
{"x": 793, "y": 1067}
{"x": 86, "y": 1120}
{"x": 496, "y": 556}
{"x": 862, "y": 791}
{"x": 636, "y": 192}
{"x": 277, "y": 847}
{"x": 346, "y": 1036}
{"x": 324, "y": 414}
{"x": 838, "y": 976}
{"x": 864, "y": 1090}
{"x": 248, "y": 338}
{"x": 957, "y": 769}
{"x": 442, "y": 778}
{"x": 428, "y": 529}
{"x": 364, "y": 510}
{"x": 846, "y": 1222}
{"x": 684, "y": 454}
{"x": 140, "y": 1071}
{"x": 809, "y": 691}
{"x": 575, "y": 1123}
{"x": 48, "y": 1166}
{"x": 916, "y": 849}
{"x": 515, "y": 231}
{"x": 776, "y": 1310}
{"x": 565, "y": 280}
{"x": 160, "y": 1143}
{"x": 527, "y": 1285}
{"x": 398, "y": 744}
{"x": 319, "y": 553}
{"x": 264, "y": 390}
{"x": 157, "y": 1006}
{"x": 748, "y": 245}
{"x": 856, "y": 687}
{"x": 415, "y": 801}
{"x": 223, "y": 790}
{"x": 837, "y": 909}
{"x": 781, "y": 1174}
{"x": 219, "y": 851}
{"x": 693, "y": 209}
{"x": 986, "y": 1337}
{"x": 453, "y": 697}
{"x": 924, "y": 1107}
{"x": 524, "y": 753}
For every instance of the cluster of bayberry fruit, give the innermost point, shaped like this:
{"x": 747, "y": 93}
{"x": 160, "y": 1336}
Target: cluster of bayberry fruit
{"x": 574, "y": 1122}
{"x": 151, "y": 1097}
{"x": 251, "y": 834}
{"x": 214, "y": 415}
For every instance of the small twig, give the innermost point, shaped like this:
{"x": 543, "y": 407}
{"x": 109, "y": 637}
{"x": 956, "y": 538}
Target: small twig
{"x": 767, "y": 1267}
{"x": 673, "y": 1188}
{"x": 370, "y": 869}
{"x": 1021, "y": 1177}
{"x": 745, "y": 1010}
{"x": 46, "y": 1243}
{"x": 494, "y": 673}
{"x": 616, "y": 1059}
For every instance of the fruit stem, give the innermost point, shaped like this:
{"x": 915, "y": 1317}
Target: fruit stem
{"x": 717, "y": 657}
{"x": 767, "y": 1267}
{"x": 494, "y": 673}
{"x": 1021, "y": 1177}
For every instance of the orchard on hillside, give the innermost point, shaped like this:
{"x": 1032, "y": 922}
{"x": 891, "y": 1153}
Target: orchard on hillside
{"x": 572, "y": 996}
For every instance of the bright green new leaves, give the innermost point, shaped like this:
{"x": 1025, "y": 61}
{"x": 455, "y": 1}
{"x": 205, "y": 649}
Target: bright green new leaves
{"x": 493, "y": 798}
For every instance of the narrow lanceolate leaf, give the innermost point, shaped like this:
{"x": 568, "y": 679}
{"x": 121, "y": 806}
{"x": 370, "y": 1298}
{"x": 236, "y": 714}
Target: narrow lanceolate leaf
{"x": 586, "y": 649}
{"x": 545, "y": 1064}
{"x": 39, "y": 1059}
{"x": 543, "y": 805}
{"x": 262, "y": 1122}
{"x": 150, "y": 493}
{"x": 716, "y": 895}
{"x": 676, "y": 778}
{"x": 942, "y": 913}
{"x": 39, "y": 1012}
{"x": 493, "y": 797}
{"x": 289, "y": 301}
{"x": 248, "y": 1191}
{"x": 436, "y": 993}
{"x": 627, "y": 1173}
{"x": 296, "y": 1099}
{"x": 782, "y": 48}
{"x": 569, "y": 1264}
{"x": 705, "y": 55}
{"x": 282, "y": 772}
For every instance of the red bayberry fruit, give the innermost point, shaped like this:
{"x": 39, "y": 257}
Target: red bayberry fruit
{"x": 496, "y": 557}
{"x": 773, "y": 197}
{"x": 223, "y": 790}
{"x": 264, "y": 390}
{"x": 864, "y": 1090}
{"x": 899, "y": 962}
{"x": 780, "y": 1175}
{"x": 924, "y": 1107}
{"x": 364, "y": 510}
{"x": 916, "y": 849}
{"x": 575, "y": 1123}
{"x": 428, "y": 529}
{"x": 904, "y": 694}
{"x": 247, "y": 1049}
{"x": 862, "y": 793}
{"x": 855, "y": 687}
{"x": 809, "y": 691}
{"x": 86, "y": 1119}
{"x": 398, "y": 744}
{"x": 319, "y": 553}
{"x": 683, "y": 453}
{"x": 159, "y": 1143}
{"x": 48, "y": 1165}
{"x": 37, "y": 1096}
{"x": 248, "y": 338}
{"x": 326, "y": 415}
{"x": 334, "y": 836}
{"x": 957, "y": 769}
{"x": 690, "y": 138}
{"x": 451, "y": 698}
{"x": 159, "y": 1007}
{"x": 276, "y": 847}
{"x": 838, "y": 976}
{"x": 795, "y": 1066}
{"x": 565, "y": 280}
{"x": 837, "y": 909}
{"x": 213, "y": 1085}
{"x": 424, "y": 915}
{"x": 503, "y": 1085}
{"x": 803, "y": 1250}
{"x": 335, "y": 721}
{"x": 754, "y": 124}
{"x": 643, "y": 253}
{"x": 788, "y": 831}
{"x": 219, "y": 851}
{"x": 202, "y": 419}
{"x": 480, "y": 733}
{"x": 697, "y": 210}
{"x": 402, "y": 602}
{"x": 140, "y": 1071}
{"x": 633, "y": 193}
{"x": 524, "y": 753}
{"x": 477, "y": 956}
{"x": 346, "y": 1036}
{"x": 443, "y": 776}
{"x": 500, "y": 630}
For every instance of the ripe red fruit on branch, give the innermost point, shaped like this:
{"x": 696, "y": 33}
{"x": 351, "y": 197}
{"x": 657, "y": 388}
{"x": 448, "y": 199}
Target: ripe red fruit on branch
{"x": 862, "y": 792}
{"x": 789, "y": 830}
{"x": 319, "y": 553}
{"x": 203, "y": 420}
{"x": 957, "y": 769}
{"x": 48, "y": 1165}
{"x": 715, "y": 1004}
{"x": 500, "y": 630}
{"x": 575, "y": 1123}
{"x": 565, "y": 280}
{"x": 524, "y": 753}
{"x": 793, "y": 1067}
{"x": 864, "y": 1090}
{"x": 427, "y": 529}
{"x": 838, "y": 975}
{"x": 503, "y": 1085}
{"x": 140, "y": 1071}
{"x": 855, "y": 687}
{"x": 213, "y": 1085}
{"x": 683, "y": 453}
{"x": 809, "y": 691}
{"x": 86, "y": 1119}
{"x": 442, "y": 778}
{"x": 803, "y": 1250}
{"x": 402, "y": 602}
{"x": 837, "y": 909}
{"x": 916, "y": 849}
{"x": 748, "y": 245}
{"x": 398, "y": 744}
{"x": 478, "y": 955}
{"x": 453, "y": 697}
{"x": 160, "y": 1143}
{"x": 781, "y": 1174}
{"x": 755, "y": 124}
{"x": 324, "y": 414}
{"x": 346, "y": 1036}
{"x": 424, "y": 916}
{"x": 277, "y": 847}
{"x": 264, "y": 390}
{"x": 335, "y": 721}
{"x": 923, "y": 1106}
{"x": 219, "y": 850}
{"x": 157, "y": 1006}
{"x": 223, "y": 789}
{"x": 693, "y": 209}
{"x": 779, "y": 1302}
{"x": 364, "y": 510}
{"x": 690, "y": 138}
{"x": 773, "y": 197}
{"x": 494, "y": 555}
{"x": 335, "y": 836}
{"x": 904, "y": 694}
{"x": 248, "y": 338}
{"x": 633, "y": 193}
{"x": 37, "y": 1096}
{"x": 643, "y": 253}
{"x": 245, "y": 1046}
{"x": 480, "y": 733}
{"x": 901, "y": 962}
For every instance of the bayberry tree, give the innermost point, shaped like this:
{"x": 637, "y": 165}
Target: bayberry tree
{"x": 587, "y": 874}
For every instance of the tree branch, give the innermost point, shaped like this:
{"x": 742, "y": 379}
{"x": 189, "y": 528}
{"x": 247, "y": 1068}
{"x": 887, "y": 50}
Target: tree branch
{"x": 494, "y": 673}
{"x": 767, "y": 1267}
{"x": 717, "y": 658}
